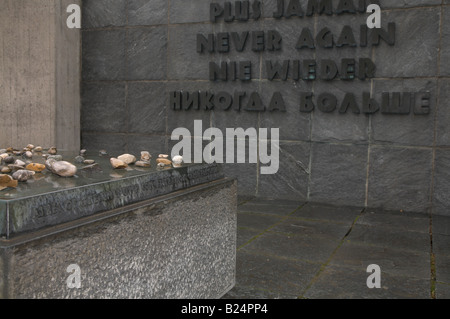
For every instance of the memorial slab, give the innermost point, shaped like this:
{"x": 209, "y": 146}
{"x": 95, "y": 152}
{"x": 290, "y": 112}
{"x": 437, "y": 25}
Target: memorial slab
{"x": 133, "y": 233}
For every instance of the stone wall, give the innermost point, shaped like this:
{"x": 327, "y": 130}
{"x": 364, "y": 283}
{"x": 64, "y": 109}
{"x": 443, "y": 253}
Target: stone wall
{"x": 137, "y": 51}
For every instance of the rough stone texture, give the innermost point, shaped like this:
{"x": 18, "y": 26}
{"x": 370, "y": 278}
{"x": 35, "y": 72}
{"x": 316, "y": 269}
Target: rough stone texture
{"x": 104, "y": 55}
{"x": 441, "y": 186}
{"x": 408, "y": 129}
{"x": 39, "y": 75}
{"x": 400, "y": 178}
{"x": 338, "y": 173}
{"x": 445, "y": 42}
{"x": 103, "y": 13}
{"x": 291, "y": 180}
{"x": 96, "y": 193}
{"x": 147, "y": 53}
{"x": 149, "y": 47}
{"x": 180, "y": 246}
{"x": 147, "y": 12}
{"x": 103, "y": 108}
{"x": 442, "y": 128}
{"x": 417, "y": 42}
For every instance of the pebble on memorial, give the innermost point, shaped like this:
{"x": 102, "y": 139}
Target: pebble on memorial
{"x": 118, "y": 164}
{"x": 143, "y": 164}
{"x": 61, "y": 168}
{"x": 7, "y": 181}
{"x": 127, "y": 159}
{"x": 35, "y": 167}
{"x": 164, "y": 161}
{"x": 177, "y": 161}
{"x": 145, "y": 156}
{"x": 23, "y": 175}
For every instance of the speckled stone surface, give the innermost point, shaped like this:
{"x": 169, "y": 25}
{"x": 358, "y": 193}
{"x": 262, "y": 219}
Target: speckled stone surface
{"x": 180, "y": 245}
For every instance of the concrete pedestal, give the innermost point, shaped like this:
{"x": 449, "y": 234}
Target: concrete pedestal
{"x": 180, "y": 243}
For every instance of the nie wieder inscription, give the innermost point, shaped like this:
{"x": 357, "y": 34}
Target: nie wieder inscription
{"x": 347, "y": 69}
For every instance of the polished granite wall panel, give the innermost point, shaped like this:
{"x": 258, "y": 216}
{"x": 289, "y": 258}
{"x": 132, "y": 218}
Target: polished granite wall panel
{"x": 417, "y": 62}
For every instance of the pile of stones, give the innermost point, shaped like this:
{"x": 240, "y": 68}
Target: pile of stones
{"x": 18, "y": 166}
{"x": 125, "y": 160}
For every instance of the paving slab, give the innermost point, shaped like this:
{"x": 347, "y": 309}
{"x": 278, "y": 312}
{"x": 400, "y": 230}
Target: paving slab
{"x": 244, "y": 235}
{"x": 268, "y": 209}
{"x": 301, "y": 227}
{"x": 442, "y": 291}
{"x": 396, "y": 220}
{"x": 442, "y": 264}
{"x": 317, "y": 211}
{"x": 396, "y": 262}
{"x": 276, "y": 202}
{"x": 280, "y": 276}
{"x": 441, "y": 225}
{"x": 441, "y": 244}
{"x": 257, "y": 221}
{"x": 387, "y": 237}
{"x": 337, "y": 282}
{"x": 315, "y": 248}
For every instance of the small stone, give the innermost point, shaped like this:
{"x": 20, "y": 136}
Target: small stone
{"x": 177, "y": 161}
{"x": 28, "y": 154}
{"x": 19, "y": 163}
{"x": 35, "y": 167}
{"x": 89, "y": 162}
{"x": 9, "y": 150}
{"x": 83, "y": 152}
{"x": 142, "y": 164}
{"x": 102, "y": 153}
{"x": 52, "y": 150}
{"x": 161, "y": 165}
{"x": 164, "y": 161}
{"x": 9, "y": 160}
{"x": 62, "y": 168}
{"x": 145, "y": 156}
{"x": 3, "y": 150}
{"x": 79, "y": 159}
{"x": 163, "y": 156}
{"x": 7, "y": 181}
{"x": 4, "y": 155}
{"x": 57, "y": 158}
{"x": 30, "y": 146}
{"x": 38, "y": 149}
{"x": 127, "y": 159}
{"x": 118, "y": 164}
{"x": 18, "y": 153}
{"x": 23, "y": 175}
{"x": 15, "y": 167}
{"x": 5, "y": 170}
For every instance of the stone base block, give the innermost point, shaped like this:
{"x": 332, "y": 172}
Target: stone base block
{"x": 176, "y": 246}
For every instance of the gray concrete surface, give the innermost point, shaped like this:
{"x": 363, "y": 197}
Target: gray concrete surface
{"x": 39, "y": 75}
{"x": 289, "y": 250}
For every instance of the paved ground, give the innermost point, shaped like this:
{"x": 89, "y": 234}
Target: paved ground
{"x": 290, "y": 250}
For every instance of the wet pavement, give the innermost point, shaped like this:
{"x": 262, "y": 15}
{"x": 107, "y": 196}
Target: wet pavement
{"x": 297, "y": 250}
